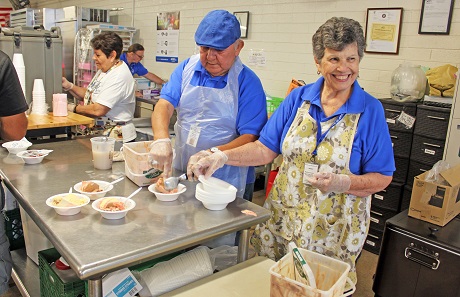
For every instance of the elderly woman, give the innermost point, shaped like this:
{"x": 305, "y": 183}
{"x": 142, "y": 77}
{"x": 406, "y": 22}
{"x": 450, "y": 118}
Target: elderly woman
{"x": 336, "y": 152}
{"x": 110, "y": 94}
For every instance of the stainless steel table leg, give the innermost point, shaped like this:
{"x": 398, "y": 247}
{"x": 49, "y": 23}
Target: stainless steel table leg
{"x": 95, "y": 287}
{"x": 243, "y": 247}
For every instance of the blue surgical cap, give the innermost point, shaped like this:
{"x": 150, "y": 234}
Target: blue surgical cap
{"x": 219, "y": 29}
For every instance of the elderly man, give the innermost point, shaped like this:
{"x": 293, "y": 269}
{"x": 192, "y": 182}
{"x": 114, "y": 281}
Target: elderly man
{"x": 133, "y": 58}
{"x": 220, "y": 104}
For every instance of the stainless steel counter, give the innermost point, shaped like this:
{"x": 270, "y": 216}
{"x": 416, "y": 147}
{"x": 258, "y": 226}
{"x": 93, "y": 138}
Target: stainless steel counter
{"x": 94, "y": 246}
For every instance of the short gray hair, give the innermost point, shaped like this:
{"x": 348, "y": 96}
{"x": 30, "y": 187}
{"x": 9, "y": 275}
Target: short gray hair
{"x": 336, "y": 33}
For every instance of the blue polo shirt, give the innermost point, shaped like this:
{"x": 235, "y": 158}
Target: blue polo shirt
{"x": 135, "y": 68}
{"x": 372, "y": 149}
{"x": 252, "y": 103}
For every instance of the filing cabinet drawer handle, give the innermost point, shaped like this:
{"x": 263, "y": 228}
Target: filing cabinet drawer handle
{"x": 392, "y": 136}
{"x": 436, "y": 118}
{"x": 430, "y": 144}
{"x": 419, "y": 256}
{"x": 392, "y": 110}
{"x": 377, "y": 213}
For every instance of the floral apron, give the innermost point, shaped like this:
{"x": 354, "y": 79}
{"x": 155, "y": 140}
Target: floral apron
{"x": 333, "y": 224}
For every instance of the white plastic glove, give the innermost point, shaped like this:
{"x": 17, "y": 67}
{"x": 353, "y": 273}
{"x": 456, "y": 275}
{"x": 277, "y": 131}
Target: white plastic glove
{"x": 193, "y": 160}
{"x": 328, "y": 182}
{"x": 208, "y": 165}
{"x": 71, "y": 107}
{"x": 162, "y": 154}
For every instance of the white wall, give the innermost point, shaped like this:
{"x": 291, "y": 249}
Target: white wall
{"x": 284, "y": 28}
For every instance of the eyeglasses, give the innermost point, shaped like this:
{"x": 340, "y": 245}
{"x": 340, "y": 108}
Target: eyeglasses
{"x": 140, "y": 57}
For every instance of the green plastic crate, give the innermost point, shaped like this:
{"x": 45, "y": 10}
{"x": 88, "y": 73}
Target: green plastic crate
{"x": 51, "y": 284}
{"x": 272, "y": 104}
{"x": 13, "y": 228}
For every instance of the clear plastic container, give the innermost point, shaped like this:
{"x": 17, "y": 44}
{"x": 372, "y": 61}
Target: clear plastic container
{"x": 408, "y": 83}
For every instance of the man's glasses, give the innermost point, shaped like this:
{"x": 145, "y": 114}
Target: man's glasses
{"x": 140, "y": 57}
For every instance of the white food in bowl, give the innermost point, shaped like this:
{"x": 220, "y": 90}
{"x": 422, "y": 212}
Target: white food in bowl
{"x": 103, "y": 185}
{"x": 167, "y": 197}
{"x": 33, "y": 156}
{"x": 114, "y": 214}
{"x": 67, "y": 204}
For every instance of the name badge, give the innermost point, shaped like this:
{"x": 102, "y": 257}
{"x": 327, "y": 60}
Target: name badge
{"x": 308, "y": 171}
{"x": 193, "y": 135}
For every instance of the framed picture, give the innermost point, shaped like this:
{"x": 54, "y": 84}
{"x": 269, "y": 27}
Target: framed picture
{"x": 436, "y": 16}
{"x": 243, "y": 18}
{"x": 383, "y": 30}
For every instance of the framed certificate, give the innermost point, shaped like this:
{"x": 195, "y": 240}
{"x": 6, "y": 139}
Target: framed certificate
{"x": 383, "y": 30}
{"x": 436, "y": 17}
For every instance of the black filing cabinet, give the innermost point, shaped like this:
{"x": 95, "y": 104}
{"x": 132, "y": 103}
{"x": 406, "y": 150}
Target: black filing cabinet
{"x": 418, "y": 259}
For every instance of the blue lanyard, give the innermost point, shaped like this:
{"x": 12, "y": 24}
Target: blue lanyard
{"x": 320, "y": 136}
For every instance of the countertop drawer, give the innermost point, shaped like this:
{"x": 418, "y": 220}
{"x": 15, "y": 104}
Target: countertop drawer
{"x": 402, "y": 142}
{"x": 432, "y": 121}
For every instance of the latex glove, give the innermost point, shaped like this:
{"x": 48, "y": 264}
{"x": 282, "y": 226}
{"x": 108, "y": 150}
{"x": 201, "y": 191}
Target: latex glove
{"x": 66, "y": 85}
{"x": 193, "y": 160}
{"x": 208, "y": 165}
{"x": 328, "y": 182}
{"x": 71, "y": 107}
{"x": 161, "y": 154}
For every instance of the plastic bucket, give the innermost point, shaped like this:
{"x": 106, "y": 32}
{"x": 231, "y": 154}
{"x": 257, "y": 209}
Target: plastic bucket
{"x": 138, "y": 166}
{"x": 331, "y": 276}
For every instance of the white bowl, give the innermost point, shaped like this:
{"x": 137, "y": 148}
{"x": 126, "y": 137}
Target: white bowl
{"x": 223, "y": 197}
{"x": 114, "y": 215}
{"x": 212, "y": 201}
{"x": 67, "y": 210}
{"x": 15, "y": 147}
{"x": 95, "y": 195}
{"x": 167, "y": 197}
{"x": 214, "y": 185}
{"x": 33, "y": 156}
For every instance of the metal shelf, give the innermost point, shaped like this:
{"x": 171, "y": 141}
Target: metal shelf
{"x": 25, "y": 274}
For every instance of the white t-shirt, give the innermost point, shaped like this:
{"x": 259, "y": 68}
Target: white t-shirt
{"x": 116, "y": 91}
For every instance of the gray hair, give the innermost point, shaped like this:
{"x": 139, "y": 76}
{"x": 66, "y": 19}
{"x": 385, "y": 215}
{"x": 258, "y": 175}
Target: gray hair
{"x": 336, "y": 33}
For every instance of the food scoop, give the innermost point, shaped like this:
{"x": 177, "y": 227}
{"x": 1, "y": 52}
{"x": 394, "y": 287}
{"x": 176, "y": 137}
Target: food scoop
{"x": 172, "y": 182}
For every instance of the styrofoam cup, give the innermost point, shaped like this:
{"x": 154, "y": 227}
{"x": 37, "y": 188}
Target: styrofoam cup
{"x": 38, "y": 85}
{"x": 18, "y": 60}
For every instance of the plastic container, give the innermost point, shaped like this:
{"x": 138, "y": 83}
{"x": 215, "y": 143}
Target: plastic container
{"x": 34, "y": 238}
{"x": 51, "y": 284}
{"x": 138, "y": 166}
{"x": 408, "y": 83}
{"x": 272, "y": 104}
{"x": 331, "y": 276}
{"x": 13, "y": 228}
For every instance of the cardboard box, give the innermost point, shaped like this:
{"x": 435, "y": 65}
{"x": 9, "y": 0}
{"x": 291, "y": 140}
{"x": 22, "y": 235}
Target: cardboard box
{"x": 436, "y": 203}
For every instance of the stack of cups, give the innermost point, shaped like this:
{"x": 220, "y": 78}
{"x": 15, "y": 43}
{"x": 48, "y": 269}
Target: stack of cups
{"x": 38, "y": 98}
{"x": 60, "y": 105}
{"x": 18, "y": 63}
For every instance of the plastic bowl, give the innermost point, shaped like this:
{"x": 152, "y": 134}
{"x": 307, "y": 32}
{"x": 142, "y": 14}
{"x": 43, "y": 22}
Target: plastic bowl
{"x": 213, "y": 201}
{"x": 224, "y": 197}
{"x": 114, "y": 215}
{"x": 32, "y": 156}
{"x": 15, "y": 147}
{"x": 69, "y": 210}
{"x": 167, "y": 197}
{"x": 215, "y": 185}
{"x": 106, "y": 186}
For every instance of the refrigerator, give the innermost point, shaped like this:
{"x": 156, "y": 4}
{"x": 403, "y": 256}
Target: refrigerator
{"x": 70, "y": 20}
